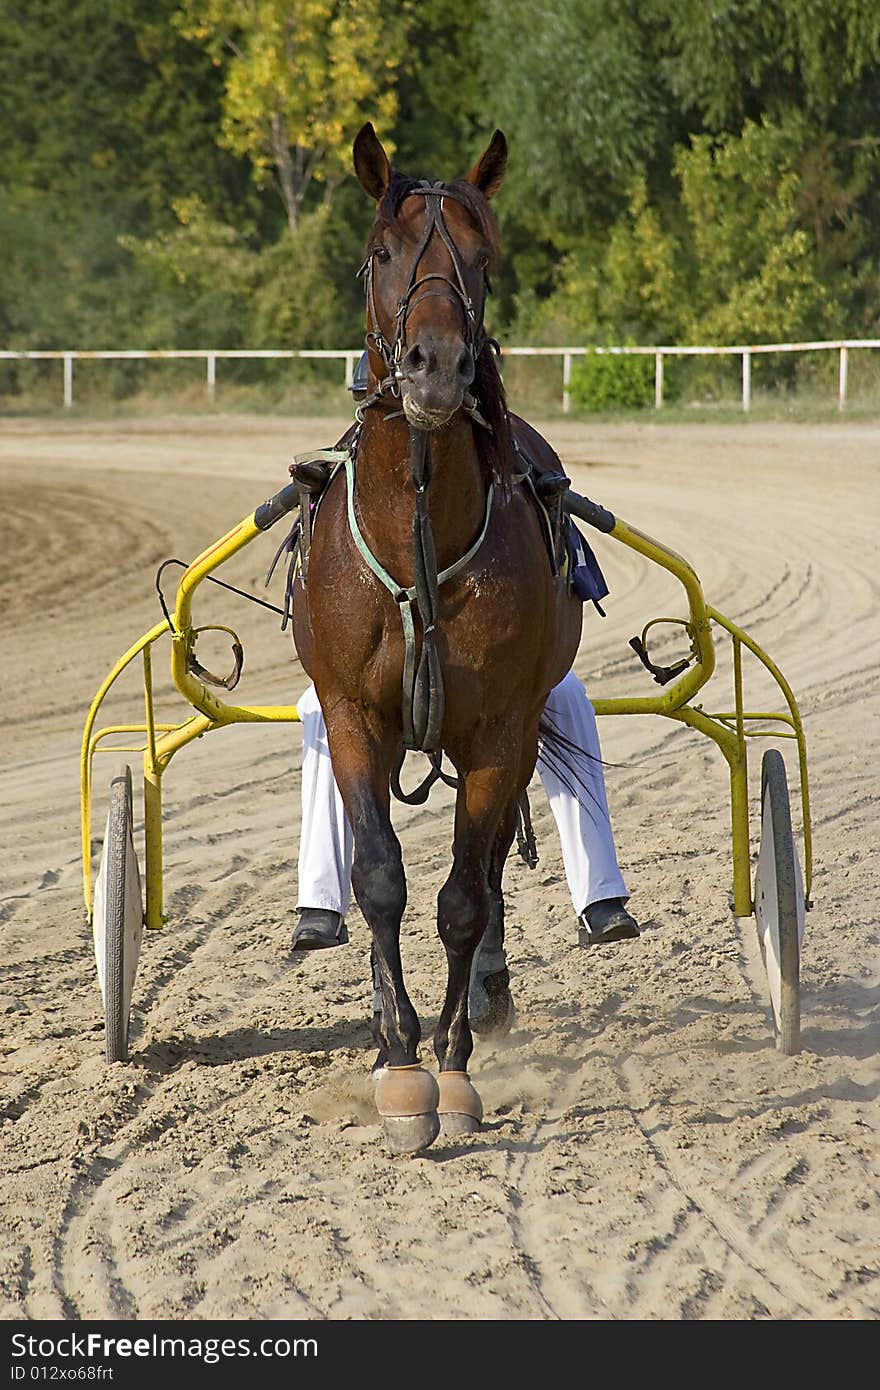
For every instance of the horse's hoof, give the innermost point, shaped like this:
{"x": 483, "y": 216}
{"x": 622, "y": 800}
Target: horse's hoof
{"x": 490, "y": 1005}
{"x": 404, "y": 1091}
{"x": 460, "y": 1107}
{"x": 410, "y": 1134}
{"x": 406, "y": 1098}
{"x": 454, "y": 1126}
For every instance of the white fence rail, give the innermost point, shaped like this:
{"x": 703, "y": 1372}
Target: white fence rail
{"x": 350, "y": 356}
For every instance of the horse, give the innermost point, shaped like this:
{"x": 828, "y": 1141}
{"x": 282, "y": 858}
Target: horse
{"x": 430, "y": 616}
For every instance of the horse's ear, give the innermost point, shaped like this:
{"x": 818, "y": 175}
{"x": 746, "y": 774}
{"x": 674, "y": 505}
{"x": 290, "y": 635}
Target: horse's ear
{"x": 489, "y": 170}
{"x": 371, "y": 162}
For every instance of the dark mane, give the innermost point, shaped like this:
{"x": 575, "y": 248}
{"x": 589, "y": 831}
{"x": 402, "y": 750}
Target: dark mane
{"x": 495, "y": 448}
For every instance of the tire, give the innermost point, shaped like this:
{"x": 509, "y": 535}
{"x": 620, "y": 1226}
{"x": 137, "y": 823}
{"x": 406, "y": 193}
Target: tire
{"x": 117, "y": 919}
{"x": 779, "y": 903}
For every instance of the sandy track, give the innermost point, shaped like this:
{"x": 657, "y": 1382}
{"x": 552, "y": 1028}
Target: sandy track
{"x": 646, "y": 1152}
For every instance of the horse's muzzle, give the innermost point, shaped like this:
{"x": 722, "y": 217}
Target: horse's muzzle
{"x": 435, "y": 374}
{"x": 427, "y": 419}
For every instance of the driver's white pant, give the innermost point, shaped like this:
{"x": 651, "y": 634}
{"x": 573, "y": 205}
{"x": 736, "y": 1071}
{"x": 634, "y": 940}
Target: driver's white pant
{"x": 573, "y": 782}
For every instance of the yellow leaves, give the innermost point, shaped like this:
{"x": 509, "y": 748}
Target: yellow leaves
{"x": 187, "y": 210}
{"x": 321, "y": 66}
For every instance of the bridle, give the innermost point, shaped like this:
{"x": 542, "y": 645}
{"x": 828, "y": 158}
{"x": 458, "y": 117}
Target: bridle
{"x": 455, "y": 290}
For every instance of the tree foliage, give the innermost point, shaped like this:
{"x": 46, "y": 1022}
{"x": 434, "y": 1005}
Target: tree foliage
{"x": 738, "y": 59}
{"x": 301, "y": 77}
{"x": 582, "y": 101}
{"x": 177, "y": 172}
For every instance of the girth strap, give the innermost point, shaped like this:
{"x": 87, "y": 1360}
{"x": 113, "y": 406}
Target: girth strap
{"x": 422, "y": 686}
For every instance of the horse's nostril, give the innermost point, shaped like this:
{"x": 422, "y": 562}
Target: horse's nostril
{"x": 466, "y": 366}
{"x": 415, "y": 360}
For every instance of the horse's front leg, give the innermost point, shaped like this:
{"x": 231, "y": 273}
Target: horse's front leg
{"x": 405, "y": 1094}
{"x": 466, "y": 904}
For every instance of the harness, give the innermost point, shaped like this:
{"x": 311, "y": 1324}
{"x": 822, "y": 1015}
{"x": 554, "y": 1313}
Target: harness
{"x": 422, "y": 691}
{"x": 422, "y": 699}
{"x": 422, "y": 696}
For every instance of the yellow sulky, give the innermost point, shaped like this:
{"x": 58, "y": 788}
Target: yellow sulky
{"x": 162, "y": 741}
{"x": 729, "y": 729}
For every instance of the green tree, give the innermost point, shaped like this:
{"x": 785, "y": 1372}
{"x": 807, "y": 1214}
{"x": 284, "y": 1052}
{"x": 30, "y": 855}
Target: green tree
{"x": 202, "y": 276}
{"x": 678, "y": 170}
{"x": 735, "y": 60}
{"x": 307, "y": 295}
{"x": 583, "y": 101}
{"x": 106, "y": 116}
{"x": 754, "y": 273}
{"x": 727, "y": 260}
{"x": 623, "y": 285}
{"x": 443, "y": 116}
{"x": 301, "y": 77}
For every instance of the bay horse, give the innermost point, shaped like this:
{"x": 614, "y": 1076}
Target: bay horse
{"x": 430, "y": 616}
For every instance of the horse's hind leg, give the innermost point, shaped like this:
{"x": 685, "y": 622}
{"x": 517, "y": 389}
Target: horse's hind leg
{"x": 465, "y": 906}
{"x": 406, "y": 1096}
{"x": 490, "y": 1006}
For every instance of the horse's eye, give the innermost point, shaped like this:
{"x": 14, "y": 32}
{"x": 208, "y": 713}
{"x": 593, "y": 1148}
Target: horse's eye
{"x": 382, "y": 253}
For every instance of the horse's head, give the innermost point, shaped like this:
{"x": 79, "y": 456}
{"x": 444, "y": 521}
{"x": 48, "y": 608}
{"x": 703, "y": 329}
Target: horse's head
{"x": 427, "y": 266}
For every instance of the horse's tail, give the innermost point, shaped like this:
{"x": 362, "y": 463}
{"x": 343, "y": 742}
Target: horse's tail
{"x": 567, "y": 760}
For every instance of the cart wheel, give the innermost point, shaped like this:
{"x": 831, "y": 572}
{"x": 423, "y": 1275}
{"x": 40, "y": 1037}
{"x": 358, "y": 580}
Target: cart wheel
{"x": 118, "y": 917}
{"x": 779, "y": 903}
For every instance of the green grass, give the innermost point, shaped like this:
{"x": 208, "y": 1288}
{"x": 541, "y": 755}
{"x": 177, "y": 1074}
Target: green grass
{"x": 326, "y": 400}
{"x": 801, "y": 409}
{"x": 231, "y": 400}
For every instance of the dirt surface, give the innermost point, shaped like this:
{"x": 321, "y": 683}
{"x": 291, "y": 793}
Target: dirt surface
{"x": 646, "y": 1152}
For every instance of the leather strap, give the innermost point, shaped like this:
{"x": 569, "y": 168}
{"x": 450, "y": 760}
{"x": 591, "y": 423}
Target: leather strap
{"x": 422, "y": 713}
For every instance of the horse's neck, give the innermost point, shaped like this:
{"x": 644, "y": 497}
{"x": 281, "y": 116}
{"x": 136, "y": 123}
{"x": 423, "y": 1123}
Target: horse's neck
{"x": 386, "y": 501}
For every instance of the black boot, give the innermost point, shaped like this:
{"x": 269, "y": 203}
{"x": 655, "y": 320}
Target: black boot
{"x": 318, "y": 928}
{"x": 606, "y": 921}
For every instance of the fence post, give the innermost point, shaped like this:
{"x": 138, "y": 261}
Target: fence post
{"x": 658, "y": 380}
{"x": 747, "y": 380}
{"x": 841, "y": 378}
{"x": 212, "y": 374}
{"x": 350, "y": 359}
{"x": 68, "y": 379}
{"x": 566, "y": 382}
